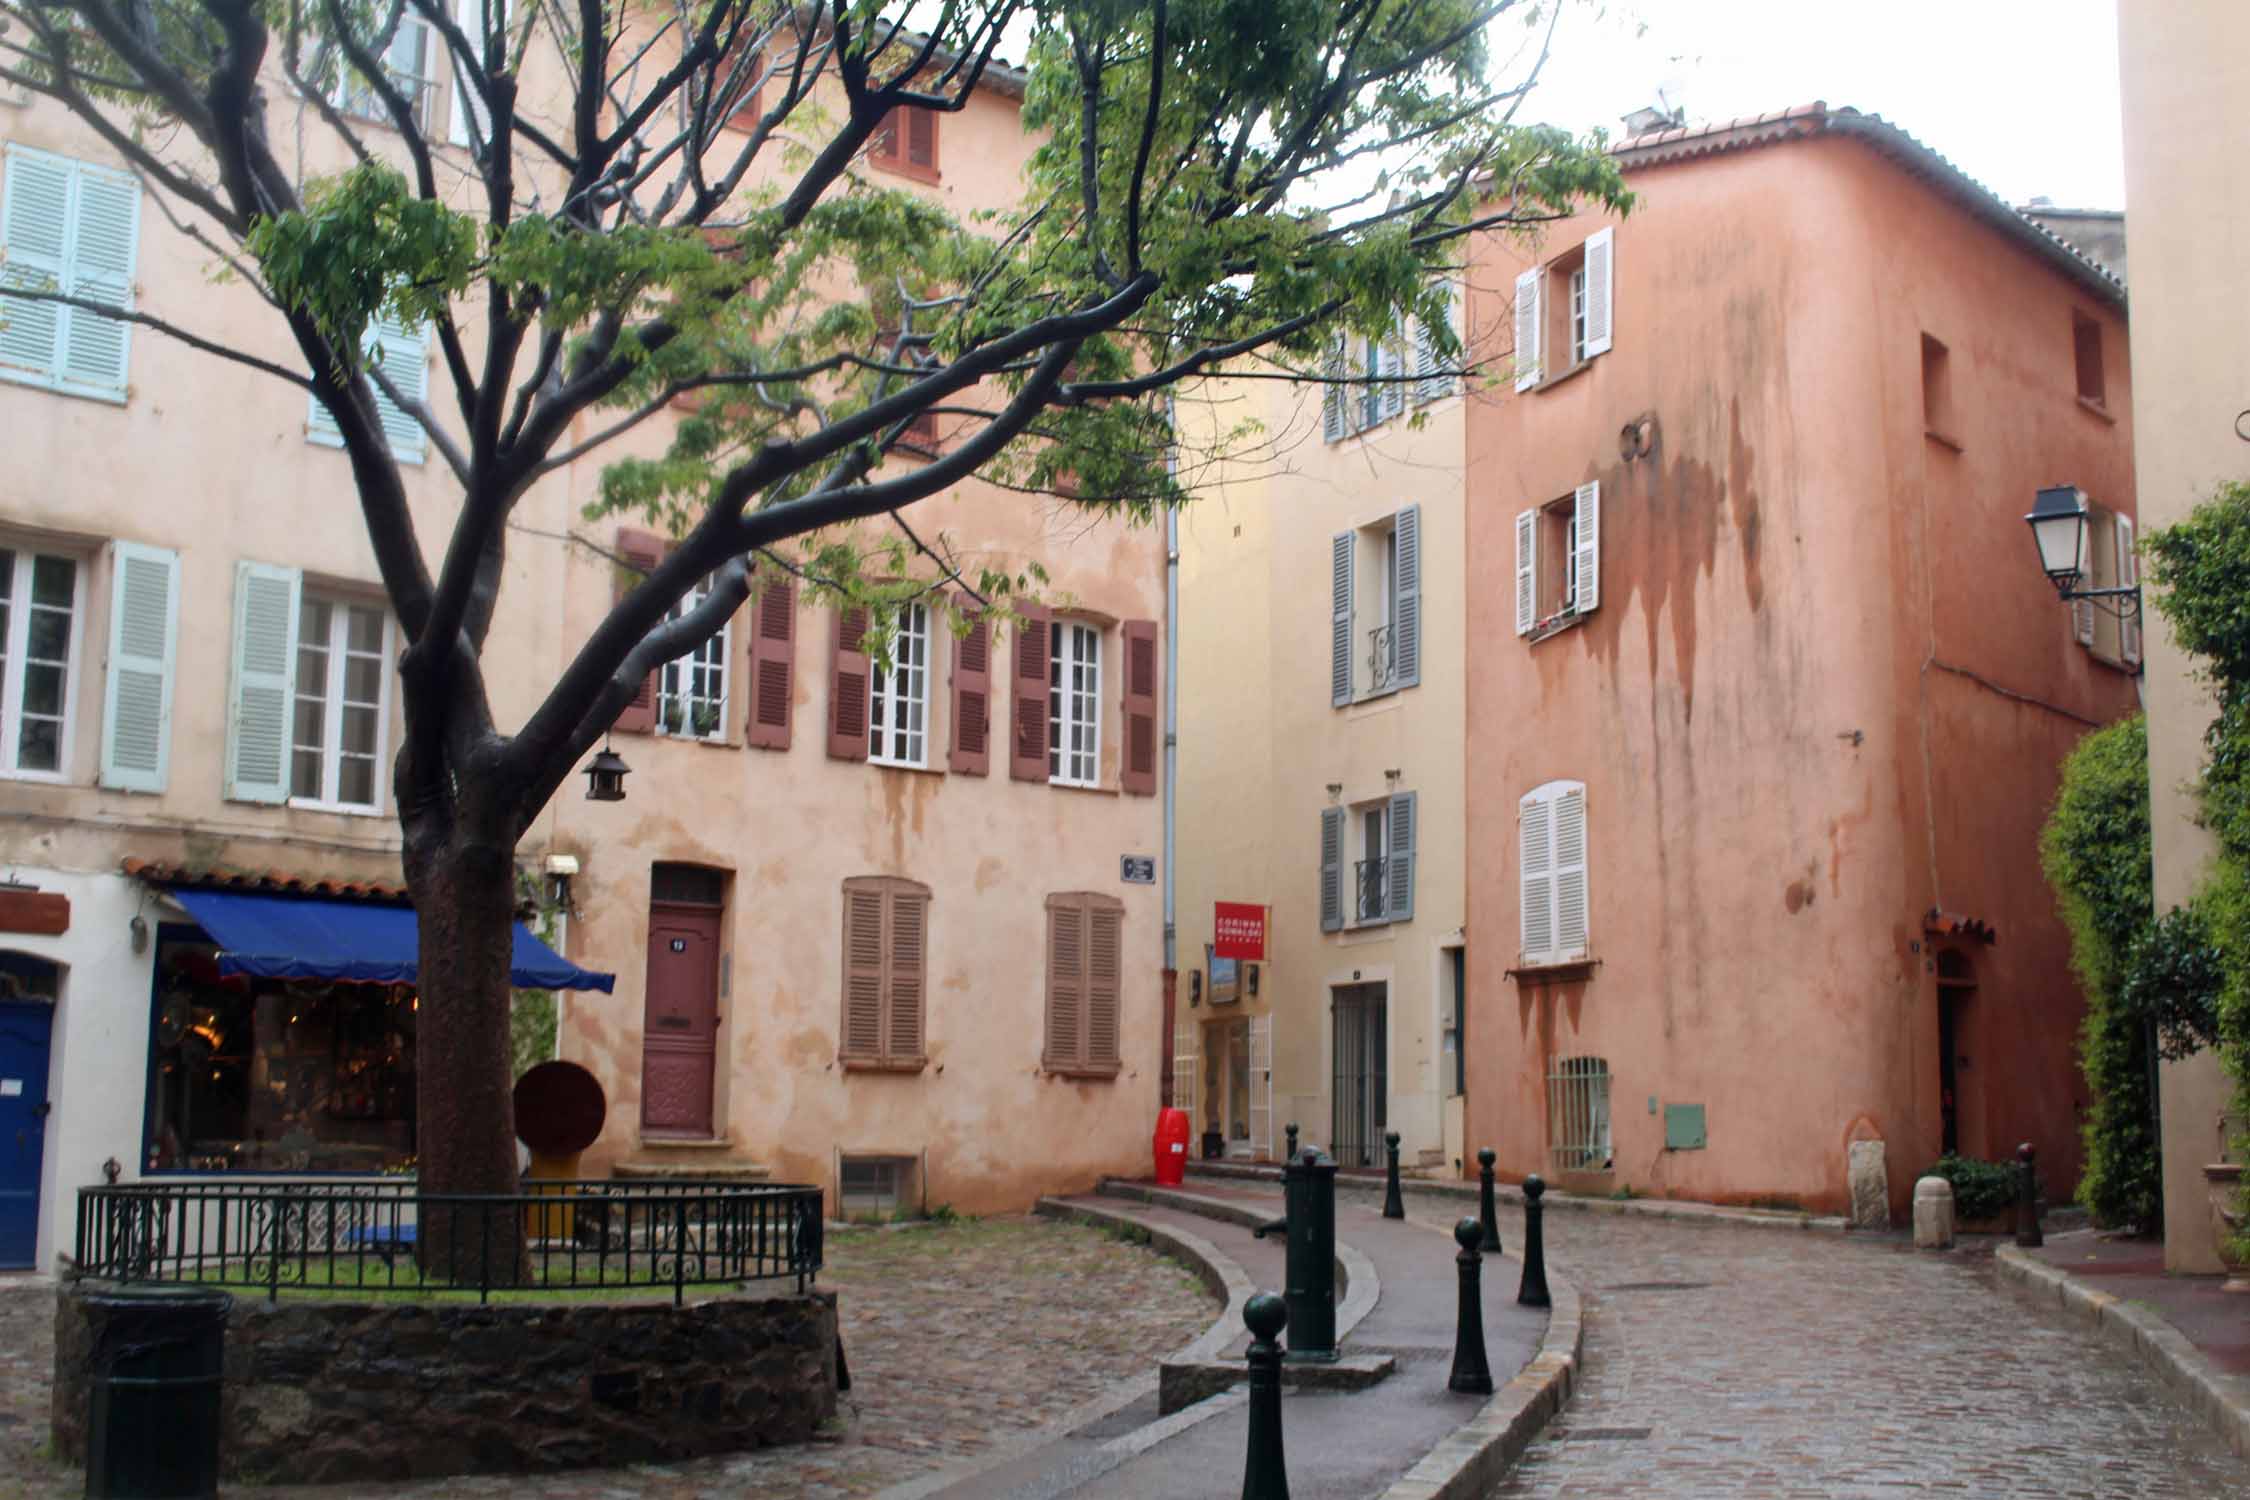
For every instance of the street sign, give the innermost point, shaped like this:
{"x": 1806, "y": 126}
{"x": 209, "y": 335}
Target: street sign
{"x": 1137, "y": 869}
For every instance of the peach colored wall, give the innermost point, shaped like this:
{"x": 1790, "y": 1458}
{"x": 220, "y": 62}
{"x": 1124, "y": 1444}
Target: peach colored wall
{"x": 1785, "y": 762}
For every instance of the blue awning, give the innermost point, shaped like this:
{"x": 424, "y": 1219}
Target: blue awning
{"x": 288, "y": 937}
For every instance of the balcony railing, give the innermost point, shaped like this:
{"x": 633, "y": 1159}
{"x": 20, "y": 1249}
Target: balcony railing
{"x": 1374, "y": 891}
{"x": 1382, "y": 657}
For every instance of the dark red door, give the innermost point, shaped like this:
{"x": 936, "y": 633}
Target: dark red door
{"x": 679, "y": 1037}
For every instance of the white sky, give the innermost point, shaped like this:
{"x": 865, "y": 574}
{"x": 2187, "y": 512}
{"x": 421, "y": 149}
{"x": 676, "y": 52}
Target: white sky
{"x": 2020, "y": 94}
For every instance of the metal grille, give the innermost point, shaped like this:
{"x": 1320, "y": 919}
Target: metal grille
{"x": 687, "y": 885}
{"x": 1369, "y": 879}
{"x": 1578, "y": 1114}
{"x": 1382, "y": 658}
{"x": 1358, "y": 1103}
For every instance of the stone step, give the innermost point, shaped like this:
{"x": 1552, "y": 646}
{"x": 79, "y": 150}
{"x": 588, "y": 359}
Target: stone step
{"x": 691, "y": 1169}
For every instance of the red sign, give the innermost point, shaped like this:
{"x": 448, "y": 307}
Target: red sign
{"x": 1238, "y": 930}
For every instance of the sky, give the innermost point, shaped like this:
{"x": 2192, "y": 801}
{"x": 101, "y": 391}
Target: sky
{"x": 2020, "y": 94}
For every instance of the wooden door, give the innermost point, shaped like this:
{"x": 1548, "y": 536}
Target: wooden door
{"x": 680, "y": 1030}
{"x": 24, "y": 1033}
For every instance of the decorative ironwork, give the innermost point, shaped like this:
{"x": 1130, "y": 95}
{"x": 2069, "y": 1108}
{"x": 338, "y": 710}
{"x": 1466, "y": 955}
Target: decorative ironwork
{"x": 361, "y": 1237}
{"x": 1382, "y": 657}
{"x": 1373, "y": 891}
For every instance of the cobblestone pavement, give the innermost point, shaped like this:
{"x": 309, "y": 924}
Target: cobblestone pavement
{"x": 1734, "y": 1362}
{"x": 959, "y": 1337}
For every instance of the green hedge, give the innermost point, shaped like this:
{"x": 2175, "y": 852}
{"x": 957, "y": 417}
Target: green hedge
{"x": 1981, "y": 1189}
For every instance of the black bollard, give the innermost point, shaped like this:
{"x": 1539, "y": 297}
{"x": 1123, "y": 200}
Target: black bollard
{"x": 1488, "y": 1213}
{"x": 1311, "y": 1259}
{"x": 1534, "y": 1290}
{"x": 1266, "y": 1474}
{"x": 1394, "y": 1204}
{"x": 2028, "y": 1233}
{"x": 1472, "y": 1372}
{"x": 1291, "y": 1154}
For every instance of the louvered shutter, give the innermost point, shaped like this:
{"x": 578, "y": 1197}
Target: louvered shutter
{"x": 1535, "y": 831}
{"x": 1139, "y": 773}
{"x": 34, "y": 234}
{"x": 1601, "y": 279}
{"x": 1527, "y": 571}
{"x": 1569, "y": 825}
{"x": 1528, "y": 323}
{"x": 105, "y": 225}
{"x": 640, "y": 551}
{"x": 1398, "y": 878}
{"x": 773, "y": 665}
{"x": 1332, "y": 397}
{"x": 972, "y": 700}
{"x": 921, "y": 138}
{"x": 1367, "y": 362}
{"x": 1261, "y": 1086}
{"x": 1027, "y": 738}
{"x": 2128, "y": 574}
{"x": 403, "y": 353}
{"x": 1344, "y": 551}
{"x": 1066, "y": 983}
{"x": 847, "y": 685}
{"x": 1390, "y": 371}
{"x": 2082, "y": 620}
{"x": 144, "y": 621}
{"x": 1331, "y": 869}
{"x": 906, "y": 946}
{"x": 1425, "y": 364}
{"x": 1586, "y": 545}
{"x": 1105, "y": 981}
{"x": 267, "y": 602}
{"x": 467, "y": 106}
{"x": 1406, "y": 600}
{"x": 863, "y": 970}
{"x": 883, "y": 145}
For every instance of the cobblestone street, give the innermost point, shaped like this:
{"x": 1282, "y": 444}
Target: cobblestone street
{"x": 1736, "y": 1362}
{"x": 959, "y": 1337}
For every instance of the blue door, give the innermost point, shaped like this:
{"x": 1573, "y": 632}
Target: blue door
{"x": 24, "y": 1030}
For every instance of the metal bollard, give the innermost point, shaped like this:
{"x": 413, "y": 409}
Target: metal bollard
{"x": 1265, "y": 1476}
{"x": 1488, "y": 1213}
{"x": 1290, "y": 1155}
{"x": 1394, "y": 1204}
{"x": 1472, "y": 1372}
{"x": 1534, "y": 1290}
{"x": 1311, "y": 1263}
{"x": 2028, "y": 1233}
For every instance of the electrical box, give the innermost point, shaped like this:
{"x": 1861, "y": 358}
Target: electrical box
{"x": 1683, "y": 1127}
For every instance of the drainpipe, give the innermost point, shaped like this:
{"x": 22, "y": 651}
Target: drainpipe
{"x": 1171, "y": 770}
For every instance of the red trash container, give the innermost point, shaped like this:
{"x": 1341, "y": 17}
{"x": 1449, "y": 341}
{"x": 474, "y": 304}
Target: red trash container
{"x": 1171, "y": 1147}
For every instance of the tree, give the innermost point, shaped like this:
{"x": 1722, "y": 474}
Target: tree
{"x": 1214, "y": 180}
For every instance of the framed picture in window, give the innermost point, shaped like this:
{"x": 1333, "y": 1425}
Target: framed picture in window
{"x": 1226, "y": 977}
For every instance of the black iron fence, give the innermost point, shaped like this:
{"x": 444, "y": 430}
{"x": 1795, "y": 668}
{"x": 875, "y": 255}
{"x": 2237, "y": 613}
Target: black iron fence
{"x": 376, "y": 1237}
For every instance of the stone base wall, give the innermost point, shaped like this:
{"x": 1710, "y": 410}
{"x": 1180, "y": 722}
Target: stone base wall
{"x": 320, "y": 1391}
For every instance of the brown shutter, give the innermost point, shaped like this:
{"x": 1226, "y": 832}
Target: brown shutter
{"x": 1104, "y": 980}
{"x": 1027, "y": 736}
{"x": 972, "y": 700}
{"x": 862, "y": 1038}
{"x": 921, "y": 138}
{"x": 640, "y": 551}
{"x": 773, "y": 664}
{"x": 847, "y": 686}
{"x": 1140, "y": 707}
{"x": 1066, "y": 983}
{"x": 908, "y": 954}
{"x": 885, "y": 140}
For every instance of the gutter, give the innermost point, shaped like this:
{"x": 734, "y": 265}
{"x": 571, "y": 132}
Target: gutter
{"x": 1171, "y": 728}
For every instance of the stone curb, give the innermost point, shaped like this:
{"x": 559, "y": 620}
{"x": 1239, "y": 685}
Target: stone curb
{"x": 2139, "y": 1330}
{"x": 1211, "y": 1265}
{"x": 1677, "y": 1209}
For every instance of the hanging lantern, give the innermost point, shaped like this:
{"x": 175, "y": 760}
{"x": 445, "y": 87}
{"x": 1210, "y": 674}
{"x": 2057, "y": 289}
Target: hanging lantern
{"x": 605, "y": 776}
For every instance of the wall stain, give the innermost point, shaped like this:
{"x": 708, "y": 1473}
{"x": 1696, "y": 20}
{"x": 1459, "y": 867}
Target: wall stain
{"x": 989, "y": 870}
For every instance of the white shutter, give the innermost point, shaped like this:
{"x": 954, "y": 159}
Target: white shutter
{"x": 1261, "y": 1086}
{"x": 1529, "y": 287}
{"x": 1390, "y": 371}
{"x": 1398, "y": 878}
{"x": 1586, "y": 545}
{"x": 34, "y": 230}
{"x": 144, "y": 620}
{"x": 469, "y": 16}
{"x": 1569, "y": 825}
{"x": 1406, "y": 599}
{"x": 1527, "y": 571}
{"x": 1535, "y": 837}
{"x": 1340, "y": 627}
{"x": 105, "y": 228}
{"x": 1183, "y": 1076}
{"x": 2082, "y": 620}
{"x": 2128, "y": 574}
{"x": 1601, "y": 277}
{"x": 267, "y": 602}
{"x": 404, "y": 355}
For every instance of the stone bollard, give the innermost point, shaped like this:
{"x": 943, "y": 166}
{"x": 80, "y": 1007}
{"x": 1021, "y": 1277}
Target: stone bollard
{"x": 1394, "y": 1204}
{"x": 2028, "y": 1233}
{"x": 1290, "y": 1154}
{"x": 1534, "y": 1290}
{"x": 1488, "y": 1213}
{"x": 1265, "y": 1474}
{"x": 1933, "y": 1214}
{"x": 1472, "y": 1372}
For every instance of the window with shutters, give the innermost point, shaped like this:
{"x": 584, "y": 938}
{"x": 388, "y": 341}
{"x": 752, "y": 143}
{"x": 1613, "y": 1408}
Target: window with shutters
{"x": 69, "y": 227}
{"x": 40, "y": 595}
{"x": 1551, "y": 871}
{"x": 898, "y": 696}
{"x": 886, "y": 957}
{"x": 691, "y": 690}
{"x": 1074, "y": 703}
{"x": 2107, "y": 628}
{"x": 1085, "y": 981}
{"x": 1376, "y": 595}
{"x": 409, "y": 65}
{"x": 1374, "y": 881}
{"x": 2086, "y": 353}
{"x": 907, "y": 143}
{"x": 1373, "y": 380}
{"x": 1558, "y": 562}
{"x": 342, "y": 703}
{"x": 403, "y": 355}
{"x": 1565, "y": 310}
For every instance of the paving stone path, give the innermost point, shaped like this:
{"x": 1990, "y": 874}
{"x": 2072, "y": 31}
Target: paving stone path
{"x": 960, "y": 1337}
{"x": 1735, "y": 1362}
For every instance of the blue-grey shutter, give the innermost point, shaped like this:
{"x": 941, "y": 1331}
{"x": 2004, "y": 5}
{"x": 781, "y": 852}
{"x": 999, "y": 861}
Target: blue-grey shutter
{"x": 1332, "y": 425}
{"x": 144, "y": 619}
{"x": 1331, "y": 869}
{"x": 1406, "y": 601}
{"x": 1398, "y": 879}
{"x": 1390, "y": 368}
{"x": 267, "y": 602}
{"x": 1340, "y": 597}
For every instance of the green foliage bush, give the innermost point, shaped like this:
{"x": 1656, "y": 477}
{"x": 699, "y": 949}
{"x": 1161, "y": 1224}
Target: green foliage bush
{"x": 1981, "y": 1189}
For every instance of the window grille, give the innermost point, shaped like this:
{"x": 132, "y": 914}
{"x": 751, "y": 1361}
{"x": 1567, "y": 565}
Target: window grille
{"x": 687, "y": 885}
{"x": 1578, "y": 1115}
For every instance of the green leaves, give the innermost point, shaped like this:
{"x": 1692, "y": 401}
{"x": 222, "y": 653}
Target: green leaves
{"x": 365, "y": 244}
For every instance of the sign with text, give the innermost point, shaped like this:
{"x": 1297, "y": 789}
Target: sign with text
{"x": 1238, "y": 930}
{"x": 1137, "y": 869}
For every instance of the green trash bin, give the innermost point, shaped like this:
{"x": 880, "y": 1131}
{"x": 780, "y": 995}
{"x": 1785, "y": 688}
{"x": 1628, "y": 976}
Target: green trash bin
{"x": 159, "y": 1353}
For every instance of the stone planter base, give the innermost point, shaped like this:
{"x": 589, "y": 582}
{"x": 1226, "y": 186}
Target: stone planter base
{"x": 317, "y": 1391}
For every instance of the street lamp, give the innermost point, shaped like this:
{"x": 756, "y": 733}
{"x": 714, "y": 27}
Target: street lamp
{"x": 605, "y": 776}
{"x": 2058, "y": 528}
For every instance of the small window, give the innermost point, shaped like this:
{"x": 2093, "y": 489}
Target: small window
{"x": 1085, "y": 978}
{"x": 39, "y": 608}
{"x": 1565, "y": 311}
{"x": 687, "y": 885}
{"x": 342, "y": 692}
{"x": 1558, "y": 561}
{"x": 872, "y": 1186}
{"x": 1937, "y": 393}
{"x": 2086, "y": 346}
{"x": 907, "y": 143}
{"x": 691, "y": 690}
{"x": 408, "y": 64}
{"x": 899, "y": 698}
{"x": 1578, "y": 1138}
{"x": 1074, "y": 704}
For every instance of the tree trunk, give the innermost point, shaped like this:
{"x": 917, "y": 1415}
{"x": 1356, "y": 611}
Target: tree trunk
{"x": 464, "y": 900}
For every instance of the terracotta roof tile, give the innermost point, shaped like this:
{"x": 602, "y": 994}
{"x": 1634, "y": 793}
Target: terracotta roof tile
{"x": 271, "y": 882}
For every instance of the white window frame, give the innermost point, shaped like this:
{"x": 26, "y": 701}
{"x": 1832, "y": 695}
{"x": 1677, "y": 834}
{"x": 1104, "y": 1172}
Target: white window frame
{"x": 713, "y": 654}
{"x": 1074, "y": 645}
{"x": 354, "y": 95}
{"x": 906, "y": 685}
{"x": 332, "y": 705}
{"x": 1578, "y": 313}
{"x": 12, "y": 665}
